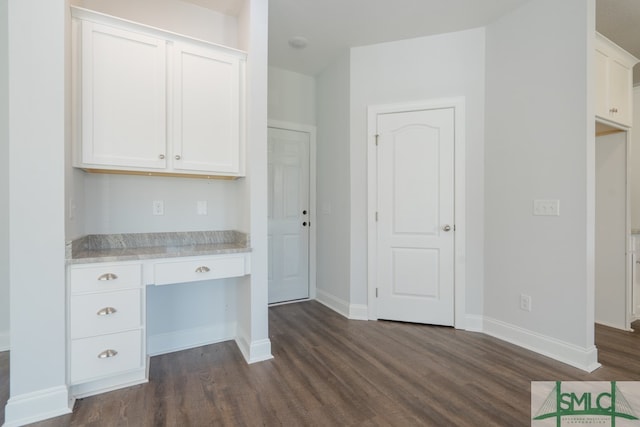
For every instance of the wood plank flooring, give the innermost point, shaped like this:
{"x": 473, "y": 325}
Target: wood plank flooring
{"x": 330, "y": 371}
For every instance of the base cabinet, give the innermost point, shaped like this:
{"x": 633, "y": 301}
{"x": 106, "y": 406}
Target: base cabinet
{"x": 105, "y": 325}
{"x": 106, "y": 314}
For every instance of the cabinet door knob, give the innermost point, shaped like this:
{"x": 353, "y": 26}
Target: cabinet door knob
{"x": 161, "y": 156}
{"x": 107, "y": 311}
{"x": 107, "y": 276}
{"x": 203, "y": 269}
{"x": 446, "y": 228}
{"x": 178, "y": 157}
{"x": 107, "y": 354}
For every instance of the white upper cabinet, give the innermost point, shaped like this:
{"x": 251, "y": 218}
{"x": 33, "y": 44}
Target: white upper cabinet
{"x": 123, "y": 98}
{"x": 150, "y": 101}
{"x": 206, "y": 101}
{"x": 614, "y": 83}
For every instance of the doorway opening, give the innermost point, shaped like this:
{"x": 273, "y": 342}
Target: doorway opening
{"x": 291, "y": 212}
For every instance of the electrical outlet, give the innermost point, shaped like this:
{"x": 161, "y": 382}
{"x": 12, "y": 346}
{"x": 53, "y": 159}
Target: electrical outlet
{"x": 158, "y": 207}
{"x": 546, "y": 207}
{"x": 525, "y": 302}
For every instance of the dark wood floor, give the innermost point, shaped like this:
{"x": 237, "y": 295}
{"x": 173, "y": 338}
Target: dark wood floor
{"x": 329, "y": 371}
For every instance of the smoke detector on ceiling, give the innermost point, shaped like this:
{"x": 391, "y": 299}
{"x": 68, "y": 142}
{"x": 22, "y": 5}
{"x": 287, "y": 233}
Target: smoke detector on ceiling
{"x": 298, "y": 42}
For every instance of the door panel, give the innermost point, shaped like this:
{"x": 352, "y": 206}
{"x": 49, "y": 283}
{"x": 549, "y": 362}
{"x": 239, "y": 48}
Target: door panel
{"x": 415, "y": 205}
{"x": 288, "y": 174}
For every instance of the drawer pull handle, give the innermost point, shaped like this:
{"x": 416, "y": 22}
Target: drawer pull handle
{"x": 107, "y": 354}
{"x": 106, "y": 311}
{"x": 203, "y": 269}
{"x": 107, "y": 276}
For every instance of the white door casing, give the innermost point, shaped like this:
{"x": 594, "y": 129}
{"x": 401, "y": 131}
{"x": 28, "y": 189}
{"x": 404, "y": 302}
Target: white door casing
{"x": 420, "y": 148}
{"x": 290, "y": 214}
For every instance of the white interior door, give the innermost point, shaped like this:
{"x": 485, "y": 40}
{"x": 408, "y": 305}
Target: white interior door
{"x": 289, "y": 215}
{"x": 415, "y": 247}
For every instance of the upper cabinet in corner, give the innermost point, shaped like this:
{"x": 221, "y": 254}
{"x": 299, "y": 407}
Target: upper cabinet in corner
{"x": 614, "y": 83}
{"x": 148, "y": 101}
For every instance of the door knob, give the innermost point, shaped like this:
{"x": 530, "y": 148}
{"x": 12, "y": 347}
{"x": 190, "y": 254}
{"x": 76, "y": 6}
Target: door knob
{"x": 304, "y": 212}
{"x": 447, "y": 227}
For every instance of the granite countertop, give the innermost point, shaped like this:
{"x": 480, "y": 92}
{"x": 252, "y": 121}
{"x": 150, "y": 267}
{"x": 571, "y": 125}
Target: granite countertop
{"x": 140, "y": 246}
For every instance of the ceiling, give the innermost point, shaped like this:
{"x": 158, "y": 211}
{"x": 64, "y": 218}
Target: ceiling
{"x": 332, "y": 26}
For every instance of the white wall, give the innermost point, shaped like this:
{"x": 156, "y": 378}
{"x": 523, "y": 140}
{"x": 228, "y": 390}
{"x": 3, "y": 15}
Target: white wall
{"x": 123, "y": 204}
{"x": 540, "y": 145}
{"x": 634, "y": 163}
{"x": 36, "y": 166}
{"x": 611, "y": 230}
{"x": 4, "y": 179}
{"x": 183, "y": 315}
{"x": 292, "y": 97}
{"x": 333, "y": 185}
{"x": 424, "y": 68}
{"x": 172, "y": 15}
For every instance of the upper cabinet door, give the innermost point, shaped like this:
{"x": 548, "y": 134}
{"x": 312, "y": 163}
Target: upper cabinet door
{"x": 123, "y": 98}
{"x": 206, "y": 110}
{"x": 614, "y": 83}
{"x": 620, "y": 91}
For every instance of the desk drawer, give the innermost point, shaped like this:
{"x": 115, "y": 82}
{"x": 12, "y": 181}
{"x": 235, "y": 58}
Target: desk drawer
{"x": 105, "y": 355}
{"x": 105, "y": 277}
{"x": 202, "y": 269}
{"x": 104, "y": 313}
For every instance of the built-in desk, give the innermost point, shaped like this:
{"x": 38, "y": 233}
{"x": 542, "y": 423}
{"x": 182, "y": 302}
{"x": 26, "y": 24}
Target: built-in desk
{"x": 106, "y": 280}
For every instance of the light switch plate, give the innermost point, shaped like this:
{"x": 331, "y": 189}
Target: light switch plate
{"x": 158, "y": 207}
{"x": 546, "y": 207}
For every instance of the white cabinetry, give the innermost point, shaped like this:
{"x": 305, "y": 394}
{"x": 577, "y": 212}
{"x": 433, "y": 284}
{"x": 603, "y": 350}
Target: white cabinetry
{"x": 206, "y": 102}
{"x": 106, "y": 315}
{"x": 153, "y": 102}
{"x": 614, "y": 82}
{"x": 106, "y": 327}
{"x": 123, "y": 111}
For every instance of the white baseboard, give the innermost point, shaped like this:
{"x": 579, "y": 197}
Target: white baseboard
{"x": 91, "y": 388}
{"x": 581, "y": 358}
{"x": 473, "y": 323}
{"x": 4, "y": 341}
{"x": 189, "y": 338}
{"x": 336, "y": 304}
{"x": 611, "y": 325}
{"x": 358, "y": 312}
{"x": 342, "y": 307}
{"x": 256, "y": 351}
{"x": 37, "y": 406}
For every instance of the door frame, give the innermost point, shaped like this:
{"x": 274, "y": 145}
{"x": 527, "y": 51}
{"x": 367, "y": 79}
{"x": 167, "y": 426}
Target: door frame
{"x": 458, "y": 105}
{"x": 311, "y": 130}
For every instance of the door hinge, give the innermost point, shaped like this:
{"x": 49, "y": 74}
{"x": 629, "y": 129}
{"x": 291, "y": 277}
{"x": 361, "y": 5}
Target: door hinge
{"x": 376, "y": 292}
{"x": 377, "y": 140}
{"x": 376, "y": 216}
